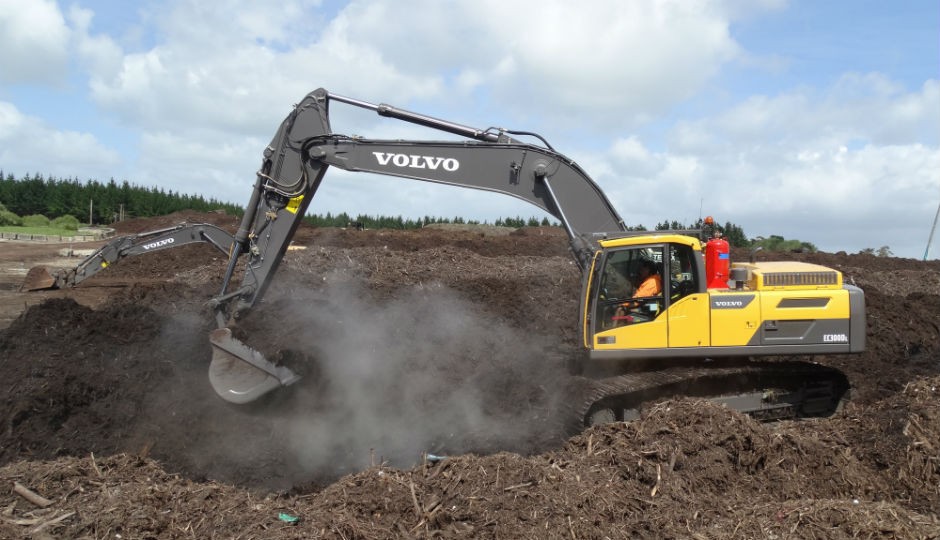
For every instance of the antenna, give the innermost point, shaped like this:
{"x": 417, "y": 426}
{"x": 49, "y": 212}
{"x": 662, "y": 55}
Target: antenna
{"x": 932, "y": 229}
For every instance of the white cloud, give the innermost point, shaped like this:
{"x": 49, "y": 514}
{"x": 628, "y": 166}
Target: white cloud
{"x": 867, "y": 107}
{"x": 34, "y": 41}
{"x": 238, "y": 69}
{"x": 223, "y": 169}
{"x": 231, "y": 65}
{"x": 609, "y": 63}
{"x": 99, "y": 54}
{"x": 29, "y": 145}
{"x": 204, "y": 85}
{"x": 837, "y": 166}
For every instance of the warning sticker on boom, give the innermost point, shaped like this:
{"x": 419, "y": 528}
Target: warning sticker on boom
{"x": 294, "y": 204}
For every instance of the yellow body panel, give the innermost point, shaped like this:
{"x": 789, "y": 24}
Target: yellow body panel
{"x": 736, "y": 326}
{"x": 790, "y": 275}
{"x": 648, "y": 335}
{"x": 812, "y": 304}
{"x": 653, "y": 238}
{"x": 689, "y": 323}
{"x": 586, "y": 302}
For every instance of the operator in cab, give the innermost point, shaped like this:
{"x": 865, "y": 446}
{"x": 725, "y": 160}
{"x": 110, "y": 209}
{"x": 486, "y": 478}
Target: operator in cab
{"x": 649, "y": 283}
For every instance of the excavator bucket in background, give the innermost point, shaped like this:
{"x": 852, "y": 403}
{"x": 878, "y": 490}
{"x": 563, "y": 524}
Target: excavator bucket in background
{"x": 240, "y": 374}
{"x": 37, "y": 279}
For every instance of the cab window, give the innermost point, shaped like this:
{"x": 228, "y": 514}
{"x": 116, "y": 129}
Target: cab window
{"x": 631, "y": 287}
{"x": 681, "y": 270}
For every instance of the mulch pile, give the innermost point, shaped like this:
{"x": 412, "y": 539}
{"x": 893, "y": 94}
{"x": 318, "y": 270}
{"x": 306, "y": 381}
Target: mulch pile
{"x": 435, "y": 363}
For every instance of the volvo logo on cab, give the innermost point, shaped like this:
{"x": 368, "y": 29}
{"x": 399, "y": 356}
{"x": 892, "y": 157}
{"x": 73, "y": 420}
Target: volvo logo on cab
{"x": 417, "y": 162}
{"x": 737, "y": 301}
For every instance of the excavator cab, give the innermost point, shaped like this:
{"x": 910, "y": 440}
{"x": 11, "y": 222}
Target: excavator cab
{"x": 772, "y": 308}
{"x": 627, "y": 317}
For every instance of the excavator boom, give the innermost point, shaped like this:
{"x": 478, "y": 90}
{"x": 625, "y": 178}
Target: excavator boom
{"x": 295, "y": 162}
{"x": 304, "y": 147}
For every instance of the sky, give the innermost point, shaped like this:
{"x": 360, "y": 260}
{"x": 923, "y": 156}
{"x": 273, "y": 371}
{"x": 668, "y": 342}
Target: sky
{"x": 812, "y": 120}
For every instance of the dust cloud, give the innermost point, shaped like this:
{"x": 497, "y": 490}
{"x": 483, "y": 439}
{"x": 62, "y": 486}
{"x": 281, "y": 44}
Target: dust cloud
{"x": 426, "y": 372}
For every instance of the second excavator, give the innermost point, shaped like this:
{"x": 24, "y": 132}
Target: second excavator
{"x": 696, "y": 334}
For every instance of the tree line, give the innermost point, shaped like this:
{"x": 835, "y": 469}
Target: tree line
{"x": 735, "y": 236}
{"x": 102, "y": 203}
{"x": 398, "y": 222}
{"x": 93, "y": 202}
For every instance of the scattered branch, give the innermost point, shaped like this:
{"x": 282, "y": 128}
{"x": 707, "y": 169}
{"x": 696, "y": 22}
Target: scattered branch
{"x": 30, "y": 495}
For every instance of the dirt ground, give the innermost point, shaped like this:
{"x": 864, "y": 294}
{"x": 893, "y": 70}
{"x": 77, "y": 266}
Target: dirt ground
{"x": 434, "y": 365}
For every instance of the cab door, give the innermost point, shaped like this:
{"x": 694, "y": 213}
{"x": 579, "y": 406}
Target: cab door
{"x": 621, "y": 320}
{"x": 688, "y": 309}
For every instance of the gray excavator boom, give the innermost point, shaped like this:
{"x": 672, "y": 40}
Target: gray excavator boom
{"x": 295, "y": 162}
{"x": 292, "y": 167}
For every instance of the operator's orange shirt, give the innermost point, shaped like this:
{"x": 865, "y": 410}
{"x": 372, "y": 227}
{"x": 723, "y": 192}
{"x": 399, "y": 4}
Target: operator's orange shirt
{"x": 651, "y": 287}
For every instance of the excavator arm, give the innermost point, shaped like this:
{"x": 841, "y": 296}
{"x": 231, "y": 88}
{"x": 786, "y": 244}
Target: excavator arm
{"x": 299, "y": 156}
{"x": 125, "y": 246}
{"x": 305, "y": 147}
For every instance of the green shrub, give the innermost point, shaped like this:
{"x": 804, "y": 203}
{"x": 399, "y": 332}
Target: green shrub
{"x": 9, "y": 218}
{"x": 35, "y": 220}
{"x": 66, "y": 222}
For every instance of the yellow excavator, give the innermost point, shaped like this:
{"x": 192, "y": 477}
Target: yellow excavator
{"x": 704, "y": 331}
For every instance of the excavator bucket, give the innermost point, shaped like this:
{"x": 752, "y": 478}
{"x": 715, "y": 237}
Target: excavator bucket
{"x": 37, "y": 279}
{"x": 240, "y": 374}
